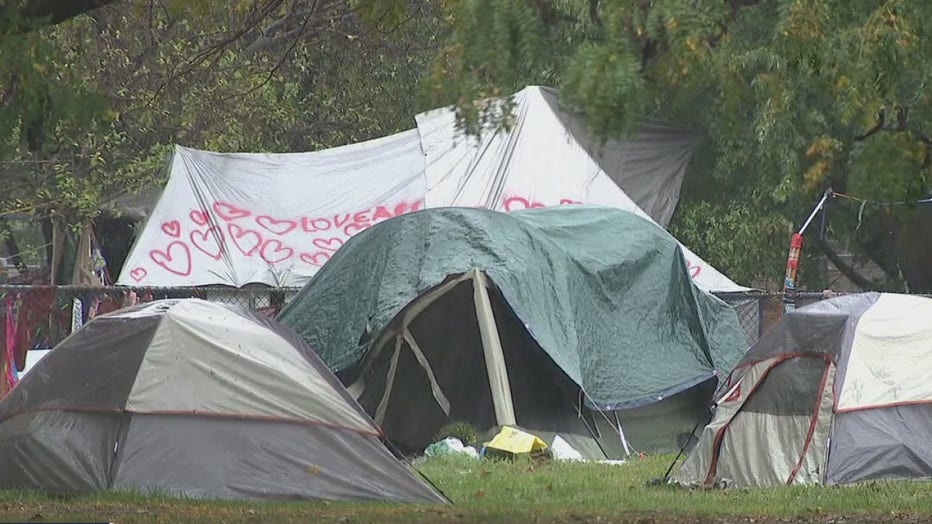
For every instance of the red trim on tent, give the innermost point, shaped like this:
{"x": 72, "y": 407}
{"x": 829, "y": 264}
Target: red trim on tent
{"x": 720, "y": 434}
{"x": 812, "y": 425}
{"x": 259, "y": 418}
{"x": 784, "y": 356}
{"x": 881, "y": 406}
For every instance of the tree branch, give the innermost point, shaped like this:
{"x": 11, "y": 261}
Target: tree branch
{"x": 881, "y": 120}
{"x": 594, "y": 12}
{"x": 546, "y": 11}
{"x": 309, "y": 14}
{"x": 282, "y": 30}
{"x": 902, "y": 113}
{"x": 849, "y": 272}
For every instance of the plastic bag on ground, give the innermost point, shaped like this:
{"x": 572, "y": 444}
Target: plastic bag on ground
{"x": 450, "y": 446}
{"x": 563, "y": 451}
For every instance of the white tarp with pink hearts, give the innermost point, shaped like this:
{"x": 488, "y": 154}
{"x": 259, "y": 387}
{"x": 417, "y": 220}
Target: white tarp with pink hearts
{"x": 243, "y": 218}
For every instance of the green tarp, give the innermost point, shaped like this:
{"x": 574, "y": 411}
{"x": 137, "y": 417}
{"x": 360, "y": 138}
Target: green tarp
{"x": 606, "y": 294}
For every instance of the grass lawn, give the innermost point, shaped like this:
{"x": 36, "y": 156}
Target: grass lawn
{"x": 489, "y": 491}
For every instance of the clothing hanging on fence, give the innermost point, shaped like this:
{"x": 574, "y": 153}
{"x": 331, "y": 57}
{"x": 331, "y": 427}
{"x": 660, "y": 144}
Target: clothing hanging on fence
{"x": 10, "y": 377}
{"x": 88, "y": 302}
{"x": 42, "y": 321}
{"x": 42, "y": 316}
{"x": 269, "y": 311}
{"x": 77, "y": 314}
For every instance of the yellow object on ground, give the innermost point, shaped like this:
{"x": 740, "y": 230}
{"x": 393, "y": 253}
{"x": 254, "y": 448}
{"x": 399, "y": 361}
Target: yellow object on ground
{"x": 515, "y": 441}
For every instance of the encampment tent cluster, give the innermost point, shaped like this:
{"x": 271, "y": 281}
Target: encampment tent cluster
{"x": 444, "y": 284}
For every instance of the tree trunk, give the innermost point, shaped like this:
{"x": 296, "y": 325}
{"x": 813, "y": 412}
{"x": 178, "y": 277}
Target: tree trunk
{"x": 11, "y": 247}
{"x": 913, "y": 248}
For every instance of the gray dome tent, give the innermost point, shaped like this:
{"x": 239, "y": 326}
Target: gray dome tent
{"x": 197, "y": 399}
{"x": 577, "y": 321}
{"x": 838, "y": 392}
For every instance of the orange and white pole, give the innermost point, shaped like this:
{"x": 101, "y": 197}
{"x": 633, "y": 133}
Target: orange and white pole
{"x": 792, "y": 259}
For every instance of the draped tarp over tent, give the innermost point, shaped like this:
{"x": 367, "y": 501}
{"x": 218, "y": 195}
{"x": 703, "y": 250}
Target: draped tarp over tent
{"x": 595, "y": 304}
{"x": 238, "y": 218}
{"x": 547, "y": 158}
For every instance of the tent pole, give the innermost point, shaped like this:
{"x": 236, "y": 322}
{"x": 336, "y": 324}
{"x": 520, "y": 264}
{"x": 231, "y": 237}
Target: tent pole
{"x": 621, "y": 433}
{"x": 389, "y": 383}
{"x": 666, "y": 476}
{"x": 492, "y": 349}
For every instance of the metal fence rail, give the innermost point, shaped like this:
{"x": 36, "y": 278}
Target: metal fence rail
{"x": 758, "y": 311}
{"x": 45, "y": 315}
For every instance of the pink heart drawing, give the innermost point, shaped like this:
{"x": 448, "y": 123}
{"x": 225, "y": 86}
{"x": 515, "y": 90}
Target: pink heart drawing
{"x": 172, "y": 228}
{"x": 354, "y": 228}
{"x": 246, "y": 240}
{"x": 229, "y": 211}
{"x": 273, "y": 251}
{"x": 317, "y": 259}
{"x": 329, "y": 244}
{"x": 175, "y": 259}
{"x": 198, "y": 217}
{"x": 138, "y": 273}
{"x": 693, "y": 270}
{"x": 209, "y": 242}
{"x": 279, "y": 227}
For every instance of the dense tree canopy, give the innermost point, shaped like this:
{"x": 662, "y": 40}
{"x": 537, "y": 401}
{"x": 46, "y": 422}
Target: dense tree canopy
{"x": 792, "y": 96}
{"x": 89, "y": 108}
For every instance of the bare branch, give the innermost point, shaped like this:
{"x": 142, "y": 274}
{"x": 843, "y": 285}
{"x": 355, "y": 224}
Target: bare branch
{"x": 859, "y": 280}
{"x": 594, "y": 12}
{"x": 286, "y": 29}
{"x": 310, "y": 14}
{"x": 212, "y": 51}
{"x": 881, "y": 120}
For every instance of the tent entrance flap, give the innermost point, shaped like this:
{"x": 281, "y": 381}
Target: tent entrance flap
{"x": 404, "y": 320}
{"x": 771, "y": 438}
{"x": 440, "y": 360}
{"x": 425, "y": 365}
{"x": 389, "y": 383}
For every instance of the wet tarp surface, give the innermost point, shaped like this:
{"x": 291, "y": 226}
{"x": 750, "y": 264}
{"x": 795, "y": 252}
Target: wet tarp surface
{"x": 605, "y": 293}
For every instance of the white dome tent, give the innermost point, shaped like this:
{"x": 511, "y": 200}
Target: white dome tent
{"x": 196, "y": 399}
{"x": 838, "y": 392}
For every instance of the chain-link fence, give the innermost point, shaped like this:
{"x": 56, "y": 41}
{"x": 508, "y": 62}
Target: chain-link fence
{"x": 758, "y": 311}
{"x": 45, "y": 315}
{"x": 42, "y": 316}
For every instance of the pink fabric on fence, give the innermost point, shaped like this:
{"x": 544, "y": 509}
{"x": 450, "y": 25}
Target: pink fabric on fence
{"x": 9, "y": 346}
